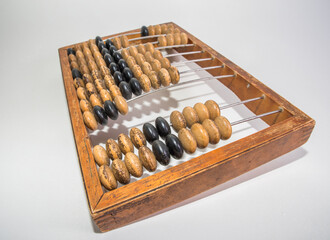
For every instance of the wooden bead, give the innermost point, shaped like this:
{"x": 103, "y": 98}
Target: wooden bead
{"x": 105, "y": 95}
{"x": 107, "y": 178}
{"x": 109, "y": 81}
{"x": 125, "y": 144}
{"x": 72, "y": 58}
{"x": 87, "y": 51}
{"x": 79, "y": 55}
{"x": 131, "y": 61}
{"x": 121, "y": 105}
{"x": 212, "y": 130}
{"x": 133, "y": 164}
{"x": 87, "y": 78}
{"x": 84, "y": 69}
{"x": 95, "y": 100}
{"x": 125, "y": 53}
{"x": 137, "y": 71}
{"x": 113, "y": 150}
{"x": 120, "y": 171}
{"x": 151, "y": 30}
{"x": 164, "y": 77}
{"x": 201, "y": 111}
{"x": 114, "y": 91}
{"x": 157, "y": 54}
{"x": 99, "y": 84}
{"x": 141, "y": 49}
{"x": 213, "y": 108}
{"x": 170, "y": 39}
{"x": 149, "y": 57}
{"x": 178, "y": 121}
{"x": 85, "y": 106}
{"x": 78, "y": 82}
{"x": 224, "y": 126}
{"x": 158, "y": 29}
{"x": 146, "y": 68}
{"x": 177, "y": 30}
{"x": 149, "y": 47}
{"x": 95, "y": 74}
{"x": 81, "y": 93}
{"x": 133, "y": 51}
{"x": 154, "y": 80}
{"x": 163, "y": 28}
{"x": 90, "y": 120}
{"x": 100, "y": 61}
{"x": 200, "y": 134}
{"x": 92, "y": 65}
{"x": 74, "y": 65}
{"x": 156, "y": 65}
{"x": 170, "y": 31}
{"x": 116, "y": 42}
{"x": 76, "y": 48}
{"x": 147, "y": 158}
{"x": 162, "y": 41}
{"x": 188, "y": 141}
{"x": 90, "y": 89}
{"x": 100, "y": 155}
{"x": 190, "y": 116}
{"x": 177, "y": 38}
{"x": 170, "y": 25}
{"x": 105, "y": 71}
{"x": 137, "y": 137}
{"x": 174, "y": 73}
{"x": 165, "y": 63}
{"x": 124, "y": 41}
{"x": 184, "y": 38}
{"x": 140, "y": 59}
{"x": 145, "y": 83}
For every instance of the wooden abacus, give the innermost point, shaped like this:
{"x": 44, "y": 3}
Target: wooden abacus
{"x": 288, "y": 129}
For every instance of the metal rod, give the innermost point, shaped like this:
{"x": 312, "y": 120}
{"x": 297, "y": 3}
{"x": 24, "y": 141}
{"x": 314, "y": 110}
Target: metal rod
{"x": 255, "y": 117}
{"x": 145, "y": 37}
{"x": 241, "y": 102}
{"x": 182, "y": 54}
{"x": 200, "y": 69}
{"x": 191, "y": 61}
{"x": 175, "y": 46}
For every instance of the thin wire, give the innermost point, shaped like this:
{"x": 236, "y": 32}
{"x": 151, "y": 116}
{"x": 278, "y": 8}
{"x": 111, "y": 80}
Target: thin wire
{"x": 242, "y": 102}
{"x": 182, "y": 54}
{"x": 255, "y": 117}
{"x": 200, "y": 69}
{"x": 191, "y": 61}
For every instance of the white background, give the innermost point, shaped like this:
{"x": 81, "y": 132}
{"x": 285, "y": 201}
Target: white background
{"x": 285, "y": 44}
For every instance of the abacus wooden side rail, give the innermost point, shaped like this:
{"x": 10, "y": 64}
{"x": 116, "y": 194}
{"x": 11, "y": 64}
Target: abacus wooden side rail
{"x": 288, "y": 130}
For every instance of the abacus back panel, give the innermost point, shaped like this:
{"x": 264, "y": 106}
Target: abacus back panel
{"x": 274, "y": 135}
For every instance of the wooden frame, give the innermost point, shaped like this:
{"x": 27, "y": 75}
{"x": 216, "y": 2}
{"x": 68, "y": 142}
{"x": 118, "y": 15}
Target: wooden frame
{"x": 288, "y": 130}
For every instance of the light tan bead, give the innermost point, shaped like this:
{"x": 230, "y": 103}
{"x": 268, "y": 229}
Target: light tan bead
{"x": 133, "y": 164}
{"x": 190, "y": 115}
{"x": 90, "y": 120}
{"x": 87, "y": 51}
{"x": 157, "y": 54}
{"x": 78, "y": 82}
{"x": 170, "y": 31}
{"x": 151, "y": 30}
{"x": 107, "y": 178}
{"x": 165, "y": 63}
{"x": 100, "y": 155}
{"x": 146, "y": 68}
{"x": 114, "y": 91}
{"x": 150, "y": 47}
{"x": 147, "y": 158}
{"x": 145, "y": 83}
{"x": 104, "y": 71}
{"x": 213, "y": 108}
{"x": 113, "y": 149}
{"x": 212, "y": 130}
{"x": 120, "y": 171}
{"x": 121, "y": 104}
{"x": 178, "y": 121}
{"x": 137, "y": 71}
{"x": 91, "y": 41}
{"x": 170, "y": 25}
{"x": 96, "y": 74}
{"x": 95, "y": 100}
{"x": 131, "y": 62}
{"x": 125, "y": 144}
{"x": 85, "y": 105}
{"x": 94, "y": 49}
{"x": 149, "y": 57}
{"x": 177, "y": 38}
{"x": 141, "y": 49}
{"x": 137, "y": 137}
{"x": 140, "y": 59}
{"x": 84, "y": 69}
{"x": 92, "y": 66}
{"x": 201, "y": 111}
{"x": 177, "y": 30}
{"x": 162, "y": 41}
{"x": 124, "y": 41}
{"x": 125, "y": 53}
{"x": 79, "y": 55}
{"x": 72, "y": 58}
{"x": 109, "y": 81}
{"x": 164, "y": 77}
{"x": 188, "y": 141}
{"x": 163, "y": 28}
{"x": 87, "y": 78}
{"x": 174, "y": 73}
{"x": 158, "y": 29}
{"x": 77, "y": 47}
{"x": 81, "y": 93}
{"x": 224, "y": 126}
{"x": 133, "y": 51}
{"x": 170, "y": 39}
{"x": 116, "y": 42}
{"x": 200, "y": 134}
{"x": 74, "y": 65}
{"x": 156, "y": 65}
{"x": 99, "y": 84}
{"x": 105, "y": 95}
{"x": 184, "y": 38}
{"x": 90, "y": 89}
{"x": 154, "y": 80}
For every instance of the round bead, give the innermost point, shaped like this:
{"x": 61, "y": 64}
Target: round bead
{"x": 114, "y": 91}
{"x": 111, "y": 110}
{"x": 135, "y": 86}
{"x": 109, "y": 81}
{"x": 162, "y": 41}
{"x": 117, "y": 56}
{"x": 81, "y": 93}
{"x": 150, "y": 47}
{"x": 70, "y": 51}
{"x": 141, "y": 49}
{"x": 101, "y": 45}
{"x": 161, "y": 152}
{"x": 176, "y": 30}
{"x": 108, "y": 59}
{"x": 125, "y": 53}
{"x": 76, "y": 73}
{"x": 154, "y": 80}
{"x": 120, "y": 171}
{"x": 113, "y": 67}
{"x": 90, "y": 120}
{"x": 144, "y": 31}
{"x": 213, "y": 109}
{"x": 105, "y": 51}
{"x": 178, "y": 121}
{"x": 151, "y": 30}
{"x": 190, "y": 116}
{"x": 133, "y": 51}
{"x": 177, "y": 38}
{"x": 124, "y": 41}
{"x": 133, "y": 164}
{"x": 140, "y": 59}
{"x": 158, "y": 29}
{"x": 149, "y": 57}
{"x": 112, "y": 50}
{"x": 170, "y": 39}
{"x": 121, "y": 105}
{"x": 202, "y": 112}
{"x": 108, "y": 43}
{"x": 105, "y": 95}
{"x": 113, "y": 149}
{"x": 90, "y": 89}
{"x": 146, "y": 68}
{"x": 145, "y": 83}
{"x": 118, "y": 77}
{"x": 116, "y": 42}
{"x": 87, "y": 78}
{"x": 98, "y": 39}
{"x": 156, "y": 65}
{"x": 100, "y": 155}
{"x": 147, "y": 158}
{"x": 125, "y": 144}
{"x": 137, "y": 71}
{"x": 137, "y": 137}
{"x": 131, "y": 61}
{"x": 100, "y": 115}
{"x": 78, "y": 82}
{"x": 95, "y": 100}
{"x": 72, "y": 58}
{"x": 212, "y": 130}
{"x": 104, "y": 70}
{"x": 74, "y": 65}
{"x": 122, "y": 64}
{"x": 188, "y": 141}
{"x": 128, "y": 74}
{"x": 184, "y": 38}
{"x": 164, "y": 77}
{"x": 107, "y": 178}
{"x": 165, "y": 63}
{"x": 162, "y": 127}
{"x": 174, "y": 145}
{"x": 85, "y": 105}
{"x": 200, "y": 134}
{"x": 150, "y": 132}
{"x": 163, "y": 28}
{"x": 224, "y": 127}
{"x": 125, "y": 90}
{"x": 157, "y": 54}
{"x": 174, "y": 73}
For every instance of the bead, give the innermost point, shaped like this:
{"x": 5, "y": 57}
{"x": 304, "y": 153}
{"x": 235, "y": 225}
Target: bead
{"x": 161, "y": 152}
{"x": 121, "y": 105}
{"x": 108, "y": 59}
{"x": 177, "y": 38}
{"x": 202, "y": 112}
{"x": 157, "y": 54}
{"x": 108, "y": 43}
{"x": 162, "y": 127}
{"x": 104, "y": 71}
{"x": 162, "y": 41}
{"x": 118, "y": 77}
{"x": 146, "y": 68}
{"x": 213, "y": 109}
{"x": 163, "y": 28}
{"x": 150, "y": 132}
{"x": 176, "y": 30}
{"x": 144, "y": 31}
{"x": 112, "y": 50}
{"x": 164, "y": 77}
{"x": 72, "y": 58}
{"x": 109, "y": 81}
{"x": 101, "y": 45}
{"x": 113, "y": 68}
{"x": 78, "y": 82}
{"x": 87, "y": 78}
{"x": 122, "y": 64}
{"x": 113, "y": 149}
{"x": 145, "y": 83}
{"x": 149, "y": 57}
{"x": 174, "y": 73}
{"x": 137, "y": 71}
{"x": 90, "y": 89}
{"x": 156, "y": 65}
{"x": 105, "y": 95}
{"x": 224, "y": 127}
{"x": 151, "y": 30}
{"x": 107, "y": 178}
{"x": 135, "y": 86}
{"x": 124, "y": 41}
{"x": 133, "y": 164}
{"x": 74, "y": 65}
{"x": 147, "y": 158}
{"x": 81, "y": 93}
{"x": 137, "y": 137}
{"x": 116, "y": 42}
{"x": 188, "y": 141}
{"x": 149, "y": 47}
{"x": 170, "y": 39}
{"x": 140, "y": 59}
{"x": 114, "y": 91}
{"x": 158, "y": 29}
{"x": 133, "y": 51}
{"x": 141, "y": 49}
{"x": 99, "y": 84}
{"x": 76, "y": 73}
{"x": 170, "y": 31}
{"x": 212, "y": 130}
{"x": 165, "y": 63}
{"x": 190, "y": 116}
{"x": 178, "y": 121}
{"x": 131, "y": 61}
{"x": 90, "y": 120}
{"x": 85, "y": 105}
{"x": 111, "y": 110}
{"x": 105, "y": 51}
{"x": 125, "y": 53}
{"x": 117, "y": 56}
{"x": 154, "y": 80}
{"x": 98, "y": 39}
{"x": 125, "y": 144}
{"x": 125, "y": 90}
{"x": 95, "y": 100}
{"x": 120, "y": 171}
{"x": 200, "y": 134}
{"x": 100, "y": 155}
{"x": 174, "y": 146}
{"x": 128, "y": 74}
{"x": 184, "y": 38}
{"x": 100, "y": 115}
{"x": 70, "y": 51}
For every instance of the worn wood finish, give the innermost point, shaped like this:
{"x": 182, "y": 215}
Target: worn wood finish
{"x": 288, "y": 130}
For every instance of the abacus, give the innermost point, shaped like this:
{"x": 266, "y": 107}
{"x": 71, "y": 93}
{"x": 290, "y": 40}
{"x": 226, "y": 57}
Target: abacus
{"x": 104, "y": 76}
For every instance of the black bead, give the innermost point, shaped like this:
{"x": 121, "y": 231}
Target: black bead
{"x": 174, "y": 146}
{"x": 150, "y": 132}
{"x": 128, "y": 74}
{"x": 111, "y": 110}
{"x": 122, "y": 64}
{"x": 97, "y": 40}
{"x": 71, "y": 51}
{"x": 117, "y": 56}
{"x": 125, "y": 90}
{"x": 108, "y": 43}
{"x": 108, "y": 59}
{"x": 100, "y": 115}
{"x": 113, "y": 67}
{"x": 161, "y": 152}
{"x": 118, "y": 77}
{"x": 135, "y": 86}
{"x": 105, "y": 51}
{"x": 101, "y": 45}
{"x": 144, "y": 31}
{"x": 76, "y": 73}
{"x": 112, "y": 50}
{"x": 162, "y": 126}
